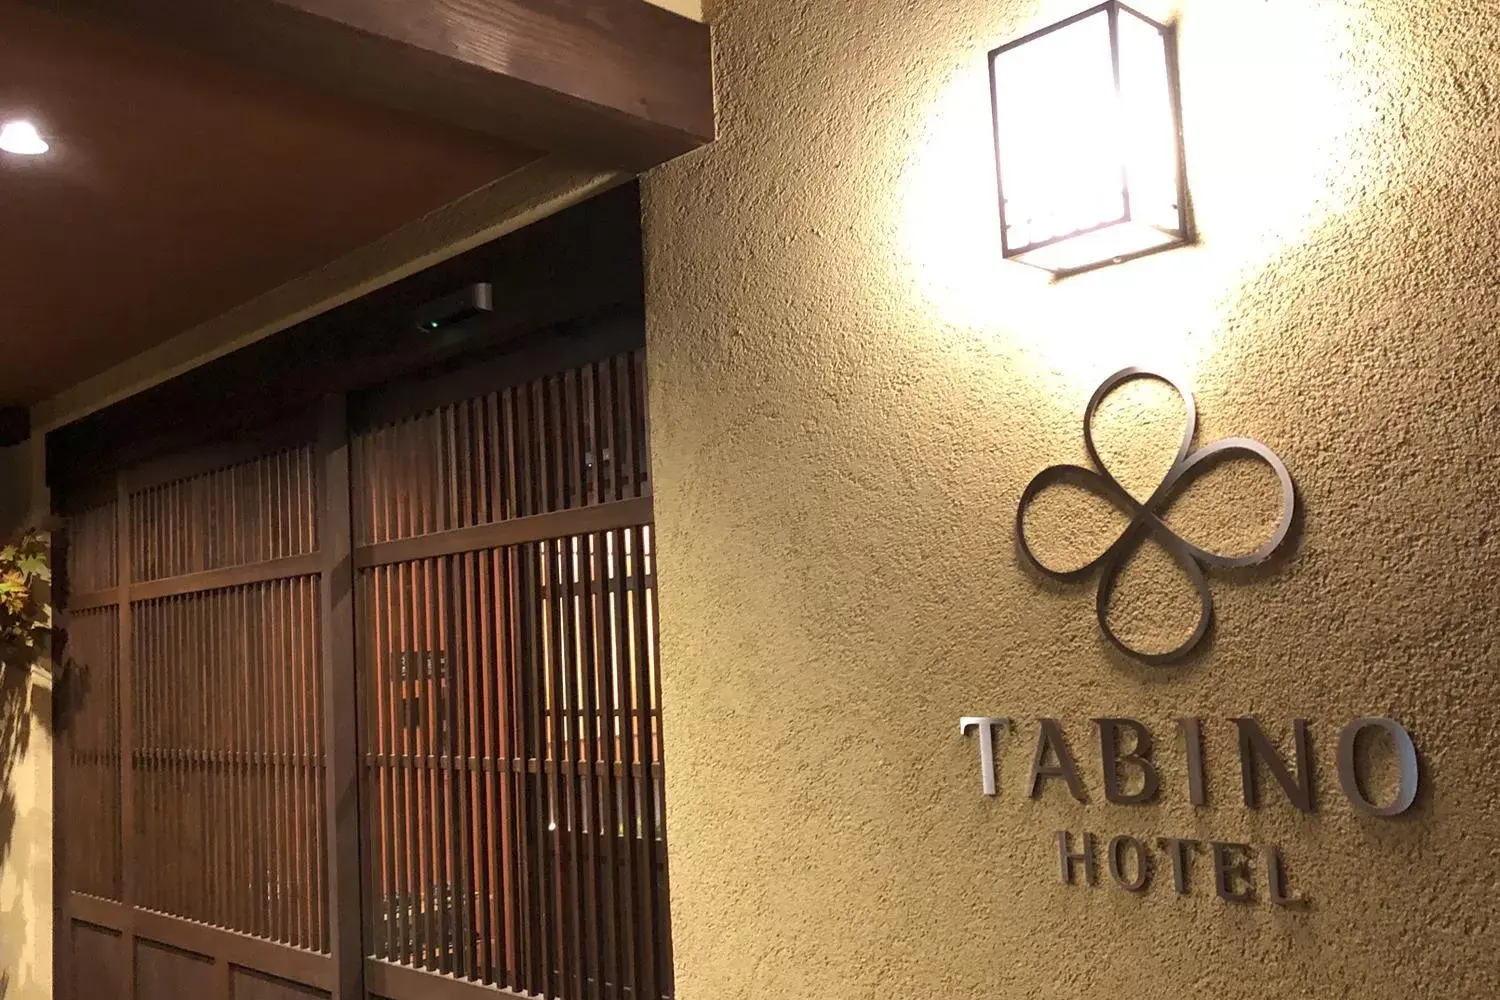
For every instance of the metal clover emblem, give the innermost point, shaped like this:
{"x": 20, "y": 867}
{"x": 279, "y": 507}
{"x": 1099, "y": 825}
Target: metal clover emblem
{"x": 1146, "y": 518}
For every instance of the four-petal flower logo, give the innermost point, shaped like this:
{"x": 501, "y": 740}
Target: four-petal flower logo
{"x": 1146, "y": 518}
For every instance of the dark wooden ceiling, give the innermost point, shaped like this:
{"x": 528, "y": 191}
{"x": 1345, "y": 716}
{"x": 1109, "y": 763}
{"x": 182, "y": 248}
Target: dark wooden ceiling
{"x": 179, "y": 186}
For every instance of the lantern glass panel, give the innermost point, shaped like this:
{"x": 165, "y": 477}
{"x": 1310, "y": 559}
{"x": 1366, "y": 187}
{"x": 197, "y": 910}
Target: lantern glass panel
{"x": 1055, "y": 105}
{"x": 1086, "y": 136}
{"x": 1150, "y": 124}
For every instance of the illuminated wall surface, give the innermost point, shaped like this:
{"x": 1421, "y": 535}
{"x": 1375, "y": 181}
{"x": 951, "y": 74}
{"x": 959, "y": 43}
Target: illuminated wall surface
{"x": 26, "y": 745}
{"x": 850, "y": 390}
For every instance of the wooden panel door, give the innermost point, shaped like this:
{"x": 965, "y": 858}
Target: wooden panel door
{"x": 369, "y": 703}
{"x": 506, "y": 629}
{"x": 191, "y": 817}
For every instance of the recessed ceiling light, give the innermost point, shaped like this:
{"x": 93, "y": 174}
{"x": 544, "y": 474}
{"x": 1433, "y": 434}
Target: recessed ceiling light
{"x": 21, "y": 138}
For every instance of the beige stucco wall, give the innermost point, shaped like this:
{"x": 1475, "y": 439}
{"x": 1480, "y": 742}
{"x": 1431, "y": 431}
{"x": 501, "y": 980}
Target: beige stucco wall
{"x": 687, "y": 8}
{"x": 25, "y": 776}
{"x": 850, "y": 390}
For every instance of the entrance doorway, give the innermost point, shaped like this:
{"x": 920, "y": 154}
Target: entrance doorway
{"x": 369, "y": 692}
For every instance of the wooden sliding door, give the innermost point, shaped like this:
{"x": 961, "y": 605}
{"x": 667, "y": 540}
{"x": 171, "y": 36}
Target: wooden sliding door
{"x": 192, "y": 822}
{"x": 370, "y": 705}
{"x": 507, "y": 649}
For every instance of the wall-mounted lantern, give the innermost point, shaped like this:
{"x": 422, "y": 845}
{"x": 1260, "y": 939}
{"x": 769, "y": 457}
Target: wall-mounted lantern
{"x": 1088, "y": 141}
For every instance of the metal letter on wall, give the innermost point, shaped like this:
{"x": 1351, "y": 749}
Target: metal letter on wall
{"x": 1146, "y": 518}
{"x": 1406, "y": 759}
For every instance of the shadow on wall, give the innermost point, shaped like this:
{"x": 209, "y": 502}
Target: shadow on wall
{"x": 26, "y": 736}
{"x": 24, "y": 706}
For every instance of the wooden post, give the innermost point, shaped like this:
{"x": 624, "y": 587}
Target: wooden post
{"x": 340, "y": 705}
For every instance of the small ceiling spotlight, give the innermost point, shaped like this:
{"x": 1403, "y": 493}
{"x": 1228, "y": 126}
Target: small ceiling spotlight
{"x": 1088, "y": 141}
{"x": 22, "y": 139}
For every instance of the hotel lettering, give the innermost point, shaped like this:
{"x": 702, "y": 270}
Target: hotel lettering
{"x": 1130, "y": 768}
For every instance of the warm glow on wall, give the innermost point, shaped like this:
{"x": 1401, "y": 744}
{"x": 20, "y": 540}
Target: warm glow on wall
{"x": 1088, "y": 142}
{"x": 1283, "y": 143}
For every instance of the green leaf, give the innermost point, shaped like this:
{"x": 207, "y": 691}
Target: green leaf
{"x": 33, "y": 565}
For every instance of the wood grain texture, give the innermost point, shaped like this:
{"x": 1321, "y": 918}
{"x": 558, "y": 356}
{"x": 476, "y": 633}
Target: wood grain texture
{"x": 280, "y": 961}
{"x": 391, "y": 694}
{"x": 165, "y": 973}
{"x": 246, "y": 985}
{"x": 179, "y": 186}
{"x": 520, "y": 199}
{"x": 507, "y": 643}
{"x": 620, "y": 82}
{"x": 98, "y": 958}
{"x": 340, "y": 719}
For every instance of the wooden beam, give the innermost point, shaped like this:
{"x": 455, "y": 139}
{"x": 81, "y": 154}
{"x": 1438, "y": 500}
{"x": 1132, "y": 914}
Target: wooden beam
{"x": 621, "y": 83}
{"x": 513, "y": 531}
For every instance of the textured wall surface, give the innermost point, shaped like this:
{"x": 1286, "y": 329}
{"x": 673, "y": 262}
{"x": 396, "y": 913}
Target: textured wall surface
{"x": 687, "y": 8}
{"x": 26, "y": 744}
{"x": 849, "y": 391}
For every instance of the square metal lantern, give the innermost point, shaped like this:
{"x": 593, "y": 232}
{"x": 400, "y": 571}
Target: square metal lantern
{"x": 1088, "y": 141}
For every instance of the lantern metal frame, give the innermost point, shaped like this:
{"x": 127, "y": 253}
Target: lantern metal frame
{"x": 1181, "y": 235}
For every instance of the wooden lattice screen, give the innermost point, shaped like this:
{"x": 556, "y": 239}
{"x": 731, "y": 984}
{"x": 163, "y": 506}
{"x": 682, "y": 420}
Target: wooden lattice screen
{"x": 387, "y": 692}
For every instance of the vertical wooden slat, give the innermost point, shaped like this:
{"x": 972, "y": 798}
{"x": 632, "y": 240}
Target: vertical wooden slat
{"x": 302, "y": 768}
{"x": 219, "y": 686}
{"x": 300, "y": 681}
{"x": 245, "y": 916}
{"x": 239, "y": 864}
{"x": 290, "y": 880}
{"x": 307, "y": 823}
{"x": 548, "y": 460}
{"x": 254, "y": 624}
{"x": 340, "y": 706}
{"x": 376, "y": 804}
{"x": 126, "y": 686}
{"x": 498, "y": 786}
{"x": 179, "y": 686}
{"x": 423, "y": 611}
{"x": 375, "y": 874}
{"x": 526, "y": 793}
{"x": 311, "y": 754}
{"x": 477, "y": 805}
{"x": 609, "y": 794}
{"x": 462, "y": 462}
{"x": 209, "y": 698}
{"x": 581, "y": 603}
{"x": 582, "y": 899}
{"x": 207, "y": 869}
{"x": 399, "y": 816}
{"x": 276, "y": 669}
{"x": 629, "y": 894}
{"x": 403, "y": 597}
{"x": 385, "y": 694}
{"x": 566, "y": 710}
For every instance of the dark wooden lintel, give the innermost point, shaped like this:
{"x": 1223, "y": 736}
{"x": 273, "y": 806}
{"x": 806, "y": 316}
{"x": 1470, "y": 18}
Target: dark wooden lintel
{"x": 620, "y": 83}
